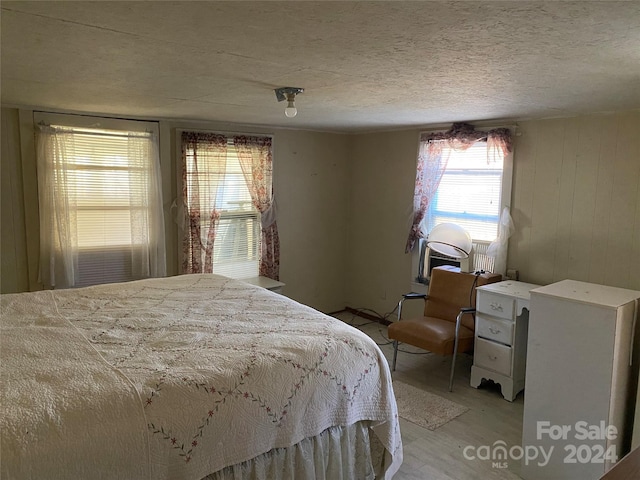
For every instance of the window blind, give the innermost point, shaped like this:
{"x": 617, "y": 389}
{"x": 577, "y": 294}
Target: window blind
{"x": 469, "y": 193}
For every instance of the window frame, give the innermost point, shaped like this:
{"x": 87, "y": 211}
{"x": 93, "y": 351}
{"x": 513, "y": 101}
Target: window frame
{"x": 505, "y": 198}
{"x": 86, "y": 121}
{"x": 92, "y": 122}
{"x": 179, "y": 204}
{"x": 471, "y": 217}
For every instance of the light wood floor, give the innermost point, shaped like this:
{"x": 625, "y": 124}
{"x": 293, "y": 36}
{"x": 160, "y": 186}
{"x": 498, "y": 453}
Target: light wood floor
{"x": 438, "y": 454}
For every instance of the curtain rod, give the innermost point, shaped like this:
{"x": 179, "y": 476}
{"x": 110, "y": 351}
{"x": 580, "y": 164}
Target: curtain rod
{"x": 86, "y": 131}
{"x": 223, "y": 132}
{"x": 479, "y": 128}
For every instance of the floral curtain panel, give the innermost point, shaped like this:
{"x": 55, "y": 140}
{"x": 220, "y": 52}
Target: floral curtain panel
{"x": 256, "y": 160}
{"x": 203, "y": 169}
{"x": 433, "y": 157}
{"x": 204, "y": 159}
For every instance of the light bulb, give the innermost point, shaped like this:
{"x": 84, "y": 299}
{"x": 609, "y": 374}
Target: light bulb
{"x": 291, "y": 110}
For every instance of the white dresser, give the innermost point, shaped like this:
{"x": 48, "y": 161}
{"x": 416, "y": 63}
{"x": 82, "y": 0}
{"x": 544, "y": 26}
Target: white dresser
{"x": 580, "y": 384}
{"x": 500, "y": 350}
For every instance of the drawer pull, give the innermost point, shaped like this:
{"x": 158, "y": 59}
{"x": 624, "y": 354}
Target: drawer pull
{"x": 494, "y": 330}
{"x": 496, "y": 306}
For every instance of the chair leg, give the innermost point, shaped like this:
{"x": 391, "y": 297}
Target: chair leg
{"x": 395, "y": 355}
{"x": 455, "y": 351}
{"x": 453, "y": 364}
{"x": 464, "y": 311}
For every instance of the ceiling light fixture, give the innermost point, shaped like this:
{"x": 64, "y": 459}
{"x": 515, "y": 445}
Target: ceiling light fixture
{"x": 289, "y": 94}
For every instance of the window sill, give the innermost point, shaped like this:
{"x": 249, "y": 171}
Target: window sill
{"x": 419, "y": 287}
{"x": 264, "y": 282}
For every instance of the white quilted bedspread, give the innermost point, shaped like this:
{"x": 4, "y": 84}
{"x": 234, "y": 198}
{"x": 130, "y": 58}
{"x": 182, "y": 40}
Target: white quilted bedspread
{"x": 176, "y": 378}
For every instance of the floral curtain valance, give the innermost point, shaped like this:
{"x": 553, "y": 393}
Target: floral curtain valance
{"x": 462, "y": 135}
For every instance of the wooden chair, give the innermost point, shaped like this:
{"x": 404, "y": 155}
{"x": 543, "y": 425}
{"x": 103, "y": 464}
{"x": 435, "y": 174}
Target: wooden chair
{"x": 448, "y": 323}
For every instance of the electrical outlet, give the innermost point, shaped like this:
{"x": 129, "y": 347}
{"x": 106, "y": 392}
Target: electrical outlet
{"x": 513, "y": 274}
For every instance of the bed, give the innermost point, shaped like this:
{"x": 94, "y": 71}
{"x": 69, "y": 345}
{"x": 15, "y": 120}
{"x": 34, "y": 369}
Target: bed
{"x": 190, "y": 377}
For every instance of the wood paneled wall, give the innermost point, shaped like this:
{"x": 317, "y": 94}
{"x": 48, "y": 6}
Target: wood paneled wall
{"x": 13, "y": 247}
{"x": 575, "y": 203}
{"x": 576, "y": 200}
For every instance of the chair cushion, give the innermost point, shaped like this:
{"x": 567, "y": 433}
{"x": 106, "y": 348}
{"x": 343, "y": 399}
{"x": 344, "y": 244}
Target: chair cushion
{"x": 433, "y": 334}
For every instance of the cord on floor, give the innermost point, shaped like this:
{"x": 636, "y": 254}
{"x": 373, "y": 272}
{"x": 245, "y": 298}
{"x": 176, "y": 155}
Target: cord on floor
{"x": 381, "y": 317}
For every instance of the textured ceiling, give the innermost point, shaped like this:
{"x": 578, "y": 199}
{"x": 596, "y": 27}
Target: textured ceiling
{"x": 364, "y": 66}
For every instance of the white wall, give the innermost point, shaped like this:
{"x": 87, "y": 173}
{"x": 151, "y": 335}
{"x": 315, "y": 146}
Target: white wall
{"x": 310, "y": 184}
{"x": 310, "y": 172}
{"x": 311, "y": 181}
{"x": 383, "y": 170}
{"x": 344, "y": 206}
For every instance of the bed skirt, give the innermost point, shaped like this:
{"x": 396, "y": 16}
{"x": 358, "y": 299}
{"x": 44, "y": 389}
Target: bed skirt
{"x": 338, "y": 453}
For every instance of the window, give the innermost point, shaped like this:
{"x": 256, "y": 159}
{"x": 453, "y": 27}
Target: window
{"x": 100, "y": 203}
{"x": 463, "y": 177}
{"x": 229, "y": 223}
{"x": 237, "y": 233}
{"x": 469, "y": 194}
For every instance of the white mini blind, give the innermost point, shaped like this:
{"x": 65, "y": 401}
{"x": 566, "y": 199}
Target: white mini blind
{"x": 108, "y": 188}
{"x": 469, "y": 193}
{"x": 223, "y": 185}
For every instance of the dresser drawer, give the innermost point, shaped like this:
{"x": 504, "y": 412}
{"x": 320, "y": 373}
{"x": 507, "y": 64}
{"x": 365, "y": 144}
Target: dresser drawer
{"x": 494, "y": 329}
{"x": 495, "y": 305}
{"x": 492, "y": 356}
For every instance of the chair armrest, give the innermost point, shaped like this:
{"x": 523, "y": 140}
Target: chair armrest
{"x": 412, "y": 295}
{"x": 409, "y": 296}
{"x": 463, "y": 312}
